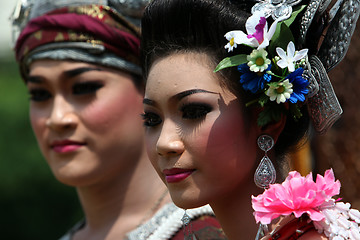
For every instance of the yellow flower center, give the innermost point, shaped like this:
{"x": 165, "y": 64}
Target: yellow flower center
{"x": 280, "y": 89}
{"x": 232, "y": 41}
{"x": 259, "y": 61}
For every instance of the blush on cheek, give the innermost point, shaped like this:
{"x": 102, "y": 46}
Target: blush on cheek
{"x": 108, "y": 112}
{"x": 150, "y": 144}
{"x": 38, "y": 124}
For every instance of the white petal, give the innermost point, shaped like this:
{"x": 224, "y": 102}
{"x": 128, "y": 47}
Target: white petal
{"x": 229, "y": 47}
{"x": 354, "y": 233}
{"x": 282, "y": 63}
{"x": 338, "y": 238}
{"x": 281, "y": 98}
{"x": 302, "y": 53}
{"x": 229, "y": 35}
{"x": 240, "y": 37}
{"x": 355, "y": 215}
{"x": 342, "y": 206}
{"x": 343, "y": 222}
{"x": 264, "y": 44}
{"x": 281, "y": 53}
{"x": 271, "y": 32}
{"x": 251, "y": 42}
{"x": 291, "y": 49}
{"x": 291, "y": 67}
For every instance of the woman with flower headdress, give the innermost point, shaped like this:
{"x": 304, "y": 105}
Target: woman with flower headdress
{"x": 231, "y": 87}
{"x": 80, "y": 61}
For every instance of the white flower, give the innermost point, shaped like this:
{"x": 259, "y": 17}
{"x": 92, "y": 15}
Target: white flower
{"x": 233, "y": 38}
{"x": 355, "y": 215}
{"x": 339, "y": 223}
{"x": 258, "y": 35}
{"x": 258, "y": 61}
{"x": 280, "y": 91}
{"x": 290, "y": 57}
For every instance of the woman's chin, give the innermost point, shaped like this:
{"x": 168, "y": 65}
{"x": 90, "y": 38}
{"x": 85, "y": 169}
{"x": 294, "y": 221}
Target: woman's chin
{"x": 187, "y": 202}
{"x": 76, "y": 177}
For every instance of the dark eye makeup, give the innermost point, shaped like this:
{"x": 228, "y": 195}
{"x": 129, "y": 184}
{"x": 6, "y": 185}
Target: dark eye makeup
{"x": 82, "y": 88}
{"x": 39, "y": 94}
{"x": 151, "y": 119}
{"x": 195, "y": 110}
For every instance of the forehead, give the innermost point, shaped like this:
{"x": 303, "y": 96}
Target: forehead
{"x": 180, "y": 72}
{"x": 42, "y": 65}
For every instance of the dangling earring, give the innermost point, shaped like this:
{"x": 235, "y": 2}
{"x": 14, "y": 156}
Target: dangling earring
{"x": 187, "y": 227}
{"x": 265, "y": 173}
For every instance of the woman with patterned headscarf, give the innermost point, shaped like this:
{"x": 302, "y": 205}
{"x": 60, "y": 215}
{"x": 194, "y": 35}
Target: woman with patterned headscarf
{"x": 80, "y": 62}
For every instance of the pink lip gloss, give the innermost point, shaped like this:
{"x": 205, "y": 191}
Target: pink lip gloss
{"x": 66, "y": 148}
{"x": 176, "y": 174}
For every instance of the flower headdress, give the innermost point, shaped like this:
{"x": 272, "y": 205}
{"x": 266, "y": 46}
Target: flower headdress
{"x": 321, "y": 30}
{"x": 274, "y": 70}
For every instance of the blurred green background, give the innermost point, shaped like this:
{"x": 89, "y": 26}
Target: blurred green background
{"x": 33, "y": 204}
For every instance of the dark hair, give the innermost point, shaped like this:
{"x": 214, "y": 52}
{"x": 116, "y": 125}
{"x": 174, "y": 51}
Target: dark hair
{"x": 171, "y": 26}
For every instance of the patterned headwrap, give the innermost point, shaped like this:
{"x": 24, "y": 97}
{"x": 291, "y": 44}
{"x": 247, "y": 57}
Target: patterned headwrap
{"x": 90, "y": 33}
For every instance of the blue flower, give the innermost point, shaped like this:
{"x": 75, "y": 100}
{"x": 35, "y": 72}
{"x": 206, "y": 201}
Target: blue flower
{"x": 253, "y": 81}
{"x": 299, "y": 86}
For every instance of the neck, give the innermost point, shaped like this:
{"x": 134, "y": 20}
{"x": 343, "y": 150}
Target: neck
{"x": 117, "y": 206}
{"x": 235, "y": 213}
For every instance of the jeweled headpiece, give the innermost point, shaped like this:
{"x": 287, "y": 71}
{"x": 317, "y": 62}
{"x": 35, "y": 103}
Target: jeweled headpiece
{"x": 104, "y": 32}
{"x": 282, "y": 77}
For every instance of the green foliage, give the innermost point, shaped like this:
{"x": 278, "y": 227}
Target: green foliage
{"x": 231, "y": 62}
{"x": 271, "y": 113}
{"x": 283, "y": 34}
{"x": 281, "y": 38}
{"x": 295, "y": 111}
{"x": 294, "y": 14}
{"x": 34, "y": 204}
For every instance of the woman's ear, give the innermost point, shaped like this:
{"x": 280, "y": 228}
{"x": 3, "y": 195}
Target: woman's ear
{"x": 274, "y": 129}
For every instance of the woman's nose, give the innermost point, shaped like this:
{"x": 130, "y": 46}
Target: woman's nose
{"x": 169, "y": 142}
{"x": 62, "y": 115}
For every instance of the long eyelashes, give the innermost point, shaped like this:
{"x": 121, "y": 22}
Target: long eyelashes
{"x": 86, "y": 87}
{"x": 195, "y": 110}
{"x": 39, "y": 95}
{"x": 151, "y": 119}
{"x": 191, "y": 111}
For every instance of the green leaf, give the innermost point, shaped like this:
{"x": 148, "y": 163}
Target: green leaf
{"x": 231, "y": 62}
{"x": 271, "y": 113}
{"x": 264, "y": 117}
{"x": 295, "y": 111}
{"x": 294, "y": 14}
{"x": 263, "y": 100}
{"x": 281, "y": 38}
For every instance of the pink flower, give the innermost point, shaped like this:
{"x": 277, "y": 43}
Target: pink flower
{"x": 296, "y": 195}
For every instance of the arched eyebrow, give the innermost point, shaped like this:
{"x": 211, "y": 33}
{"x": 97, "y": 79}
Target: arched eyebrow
{"x": 148, "y": 102}
{"x": 186, "y": 93}
{"x": 179, "y": 95}
{"x": 34, "y": 79}
{"x": 67, "y": 74}
{"x": 77, "y": 71}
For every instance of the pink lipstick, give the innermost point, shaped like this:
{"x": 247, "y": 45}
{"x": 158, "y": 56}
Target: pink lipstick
{"x": 177, "y": 174}
{"x": 66, "y": 146}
